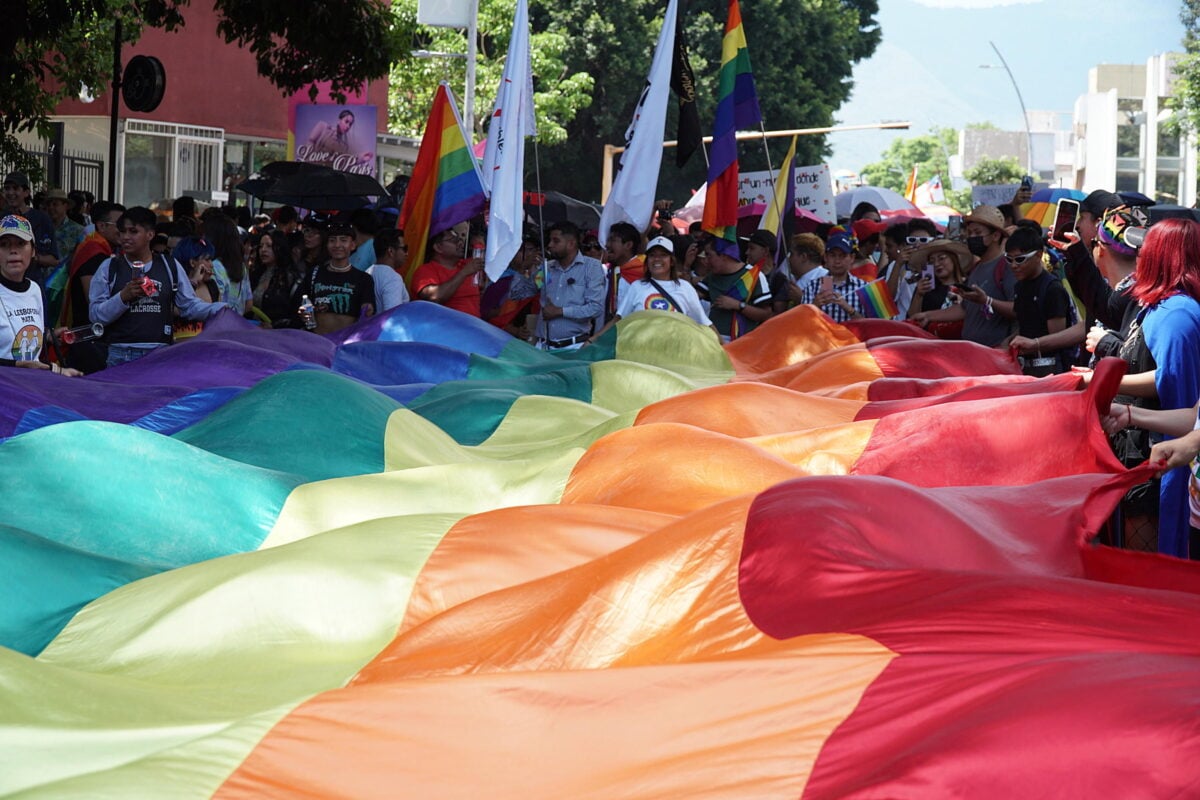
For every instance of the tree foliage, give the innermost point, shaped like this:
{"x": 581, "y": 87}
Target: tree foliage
{"x": 297, "y": 44}
{"x": 996, "y": 171}
{"x": 591, "y": 57}
{"x": 930, "y": 154}
{"x": 558, "y": 93}
{"x": 1185, "y": 97}
{"x": 802, "y": 54}
{"x": 50, "y": 49}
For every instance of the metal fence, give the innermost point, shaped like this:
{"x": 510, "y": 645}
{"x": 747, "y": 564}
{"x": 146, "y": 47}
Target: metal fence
{"x": 76, "y": 170}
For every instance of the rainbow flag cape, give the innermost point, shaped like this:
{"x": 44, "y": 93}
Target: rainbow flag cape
{"x": 446, "y": 187}
{"x": 420, "y": 558}
{"x": 737, "y": 109}
{"x": 877, "y": 300}
{"x": 742, "y": 291}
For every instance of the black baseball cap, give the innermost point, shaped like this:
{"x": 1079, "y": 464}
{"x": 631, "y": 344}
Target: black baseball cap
{"x": 1100, "y": 201}
{"x": 763, "y": 239}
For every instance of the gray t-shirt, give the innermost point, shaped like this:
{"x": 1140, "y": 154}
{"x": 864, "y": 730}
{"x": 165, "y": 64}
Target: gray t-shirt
{"x": 979, "y": 326}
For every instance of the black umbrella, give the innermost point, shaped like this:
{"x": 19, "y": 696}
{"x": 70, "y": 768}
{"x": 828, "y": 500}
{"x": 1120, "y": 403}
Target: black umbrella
{"x": 255, "y": 187}
{"x": 282, "y": 169}
{"x": 1163, "y": 211}
{"x": 295, "y": 183}
{"x": 552, "y": 207}
{"x": 265, "y": 178}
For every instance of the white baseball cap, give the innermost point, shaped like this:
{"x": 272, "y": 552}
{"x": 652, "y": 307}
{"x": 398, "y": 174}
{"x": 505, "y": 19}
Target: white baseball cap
{"x": 663, "y": 242}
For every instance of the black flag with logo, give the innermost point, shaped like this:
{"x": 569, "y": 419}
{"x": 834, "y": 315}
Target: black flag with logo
{"x": 683, "y": 82}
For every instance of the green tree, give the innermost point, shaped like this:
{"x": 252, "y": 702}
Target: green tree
{"x": 50, "y": 49}
{"x": 558, "y": 93}
{"x": 994, "y": 171}
{"x": 930, "y": 154}
{"x": 802, "y": 55}
{"x": 1185, "y": 97}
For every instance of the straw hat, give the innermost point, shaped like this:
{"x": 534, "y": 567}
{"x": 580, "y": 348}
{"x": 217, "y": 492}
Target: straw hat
{"x": 958, "y": 250}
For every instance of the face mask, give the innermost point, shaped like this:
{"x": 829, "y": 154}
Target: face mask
{"x": 976, "y": 245}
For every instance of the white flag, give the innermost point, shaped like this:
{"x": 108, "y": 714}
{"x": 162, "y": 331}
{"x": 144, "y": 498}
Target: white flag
{"x": 632, "y": 196}
{"x": 504, "y": 157}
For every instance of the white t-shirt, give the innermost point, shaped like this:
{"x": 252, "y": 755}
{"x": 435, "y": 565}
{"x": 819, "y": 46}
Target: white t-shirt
{"x": 814, "y": 274}
{"x": 389, "y": 287}
{"x": 642, "y": 296}
{"x": 904, "y": 290}
{"x": 21, "y": 324}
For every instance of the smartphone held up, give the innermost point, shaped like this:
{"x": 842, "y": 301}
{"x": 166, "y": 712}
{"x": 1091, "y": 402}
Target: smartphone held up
{"x": 1066, "y": 214}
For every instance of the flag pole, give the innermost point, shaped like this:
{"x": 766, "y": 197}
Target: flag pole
{"x": 783, "y": 209}
{"x": 763, "y": 129}
{"x": 537, "y": 180}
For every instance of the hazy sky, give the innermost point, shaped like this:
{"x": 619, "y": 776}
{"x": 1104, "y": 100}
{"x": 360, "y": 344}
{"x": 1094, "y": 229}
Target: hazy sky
{"x": 927, "y": 68}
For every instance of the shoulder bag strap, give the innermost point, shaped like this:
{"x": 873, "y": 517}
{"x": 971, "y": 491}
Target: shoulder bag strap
{"x": 665, "y": 294}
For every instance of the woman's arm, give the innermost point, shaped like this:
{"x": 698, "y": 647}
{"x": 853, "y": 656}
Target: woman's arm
{"x": 1176, "y": 452}
{"x": 1172, "y": 421}
{"x": 1059, "y": 337}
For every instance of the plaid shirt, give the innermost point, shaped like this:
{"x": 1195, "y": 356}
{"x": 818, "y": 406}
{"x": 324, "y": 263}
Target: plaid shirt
{"x": 847, "y": 290}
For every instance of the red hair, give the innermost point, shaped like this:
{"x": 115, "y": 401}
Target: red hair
{"x": 1169, "y": 262}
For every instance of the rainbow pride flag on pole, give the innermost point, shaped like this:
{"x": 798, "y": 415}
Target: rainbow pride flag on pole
{"x": 446, "y": 187}
{"x": 737, "y": 108}
{"x": 877, "y": 300}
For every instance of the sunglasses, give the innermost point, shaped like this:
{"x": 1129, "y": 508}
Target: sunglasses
{"x": 918, "y": 239}
{"x": 1014, "y": 260}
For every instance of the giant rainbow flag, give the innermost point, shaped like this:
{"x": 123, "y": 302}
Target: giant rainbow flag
{"x": 421, "y": 559}
{"x": 737, "y": 109}
{"x": 446, "y": 187}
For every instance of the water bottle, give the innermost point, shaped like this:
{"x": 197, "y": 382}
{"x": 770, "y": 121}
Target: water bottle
{"x": 477, "y": 252}
{"x": 82, "y": 333}
{"x": 308, "y": 313}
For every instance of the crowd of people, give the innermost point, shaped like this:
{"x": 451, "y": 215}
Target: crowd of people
{"x": 88, "y": 285}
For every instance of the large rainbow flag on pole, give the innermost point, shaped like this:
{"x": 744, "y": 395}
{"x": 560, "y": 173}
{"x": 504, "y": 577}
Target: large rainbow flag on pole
{"x": 737, "y": 108}
{"x": 446, "y": 187}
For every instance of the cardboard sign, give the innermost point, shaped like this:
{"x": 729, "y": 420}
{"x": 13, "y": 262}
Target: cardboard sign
{"x": 814, "y": 190}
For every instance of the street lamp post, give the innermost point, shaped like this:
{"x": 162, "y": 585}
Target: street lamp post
{"x": 1021, "y": 100}
{"x": 470, "y": 57}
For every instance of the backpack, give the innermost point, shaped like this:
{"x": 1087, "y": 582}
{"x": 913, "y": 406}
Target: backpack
{"x": 1069, "y": 355}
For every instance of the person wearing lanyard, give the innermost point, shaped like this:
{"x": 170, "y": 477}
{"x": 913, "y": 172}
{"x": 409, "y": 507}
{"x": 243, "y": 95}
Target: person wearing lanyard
{"x": 573, "y": 293}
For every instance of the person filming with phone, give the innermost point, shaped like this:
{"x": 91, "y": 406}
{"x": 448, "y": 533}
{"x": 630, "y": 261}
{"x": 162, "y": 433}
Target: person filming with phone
{"x": 942, "y": 264}
{"x": 988, "y": 312}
